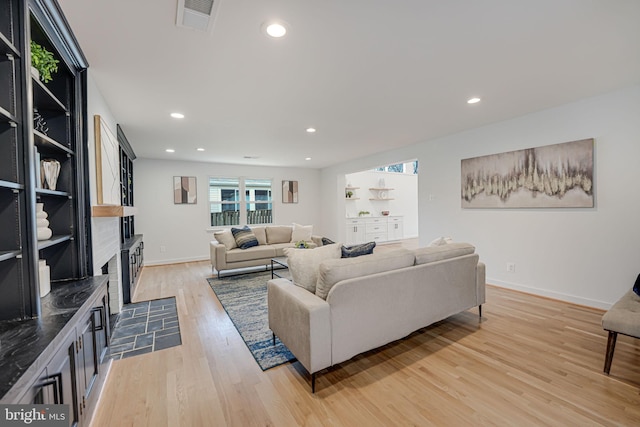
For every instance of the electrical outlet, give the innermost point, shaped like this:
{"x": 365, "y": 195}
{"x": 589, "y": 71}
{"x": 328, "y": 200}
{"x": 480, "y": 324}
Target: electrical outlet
{"x": 163, "y": 249}
{"x": 511, "y": 267}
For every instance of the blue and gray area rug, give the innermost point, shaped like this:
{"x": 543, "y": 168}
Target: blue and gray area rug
{"x": 244, "y": 297}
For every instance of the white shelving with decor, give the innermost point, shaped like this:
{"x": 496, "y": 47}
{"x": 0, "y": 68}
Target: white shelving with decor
{"x": 350, "y": 193}
{"x": 381, "y": 193}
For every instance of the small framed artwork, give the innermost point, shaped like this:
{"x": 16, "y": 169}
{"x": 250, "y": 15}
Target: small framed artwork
{"x": 289, "y": 191}
{"x": 184, "y": 190}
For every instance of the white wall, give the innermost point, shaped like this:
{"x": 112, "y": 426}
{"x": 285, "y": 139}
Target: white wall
{"x": 587, "y": 256}
{"x": 404, "y": 195}
{"x": 105, "y": 232}
{"x": 184, "y": 230}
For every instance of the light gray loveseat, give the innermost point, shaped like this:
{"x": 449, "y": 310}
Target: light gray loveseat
{"x": 373, "y": 300}
{"x": 272, "y": 239}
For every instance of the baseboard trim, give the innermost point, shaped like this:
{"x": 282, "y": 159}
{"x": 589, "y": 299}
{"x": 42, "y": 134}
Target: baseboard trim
{"x": 551, "y": 294}
{"x": 148, "y": 263}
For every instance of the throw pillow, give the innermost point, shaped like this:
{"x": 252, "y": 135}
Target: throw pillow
{"x": 301, "y": 232}
{"x": 636, "y": 286}
{"x": 357, "y": 250}
{"x": 226, "y": 238}
{"x": 244, "y": 237}
{"x": 327, "y": 241}
{"x": 278, "y": 234}
{"x": 441, "y": 241}
{"x": 303, "y": 264}
{"x": 261, "y": 234}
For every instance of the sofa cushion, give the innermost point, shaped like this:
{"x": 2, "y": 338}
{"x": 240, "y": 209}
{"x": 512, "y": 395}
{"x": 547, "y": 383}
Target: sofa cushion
{"x": 301, "y": 232}
{"x": 261, "y": 234}
{"x": 333, "y": 271}
{"x": 278, "y": 234}
{"x": 303, "y": 264}
{"x": 358, "y": 250}
{"x": 250, "y": 254}
{"x": 442, "y": 252}
{"x": 226, "y": 238}
{"x": 244, "y": 237}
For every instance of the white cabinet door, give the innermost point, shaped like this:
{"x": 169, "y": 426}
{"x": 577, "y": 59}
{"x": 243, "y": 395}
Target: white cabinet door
{"x": 355, "y": 231}
{"x": 395, "y": 231}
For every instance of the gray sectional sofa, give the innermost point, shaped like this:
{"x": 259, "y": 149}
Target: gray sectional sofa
{"x": 372, "y": 300}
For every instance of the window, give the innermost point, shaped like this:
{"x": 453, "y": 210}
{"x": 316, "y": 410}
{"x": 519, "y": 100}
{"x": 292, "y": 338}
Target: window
{"x": 228, "y": 208}
{"x": 258, "y": 190}
{"x": 396, "y": 168}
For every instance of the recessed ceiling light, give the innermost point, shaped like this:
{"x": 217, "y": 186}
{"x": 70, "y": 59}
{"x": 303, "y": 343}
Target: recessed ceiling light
{"x": 200, "y": 149}
{"x": 311, "y": 130}
{"x": 473, "y": 101}
{"x": 275, "y": 29}
{"x": 307, "y": 158}
{"x": 177, "y": 115}
{"x": 170, "y": 150}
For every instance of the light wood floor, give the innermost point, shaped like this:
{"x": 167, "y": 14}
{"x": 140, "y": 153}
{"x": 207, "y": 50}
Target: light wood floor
{"x": 530, "y": 361}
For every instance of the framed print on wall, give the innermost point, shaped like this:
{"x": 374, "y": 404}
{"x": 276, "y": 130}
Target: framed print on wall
{"x": 289, "y": 191}
{"x": 184, "y": 190}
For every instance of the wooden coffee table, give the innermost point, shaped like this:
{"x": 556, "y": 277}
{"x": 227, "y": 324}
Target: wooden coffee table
{"x": 281, "y": 267}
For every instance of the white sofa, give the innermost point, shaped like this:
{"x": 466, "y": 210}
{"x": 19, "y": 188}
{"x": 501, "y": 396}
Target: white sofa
{"x": 272, "y": 239}
{"x": 373, "y": 300}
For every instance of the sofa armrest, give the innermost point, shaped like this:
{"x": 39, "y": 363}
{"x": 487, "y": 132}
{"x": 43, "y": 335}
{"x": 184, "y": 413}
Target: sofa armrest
{"x": 302, "y": 322}
{"x": 218, "y": 255}
{"x": 481, "y": 282}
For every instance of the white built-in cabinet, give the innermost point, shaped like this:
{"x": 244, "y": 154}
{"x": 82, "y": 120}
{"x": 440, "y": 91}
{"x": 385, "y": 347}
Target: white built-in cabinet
{"x": 373, "y": 229}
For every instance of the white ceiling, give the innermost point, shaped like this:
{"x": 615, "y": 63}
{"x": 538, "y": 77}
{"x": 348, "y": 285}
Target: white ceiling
{"x": 370, "y": 75}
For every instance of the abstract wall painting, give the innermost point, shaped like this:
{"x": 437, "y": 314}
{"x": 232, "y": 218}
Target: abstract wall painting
{"x": 552, "y": 176}
{"x": 184, "y": 190}
{"x": 289, "y": 191}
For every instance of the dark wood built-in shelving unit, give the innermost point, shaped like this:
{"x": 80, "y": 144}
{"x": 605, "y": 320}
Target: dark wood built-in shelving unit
{"x": 31, "y": 327}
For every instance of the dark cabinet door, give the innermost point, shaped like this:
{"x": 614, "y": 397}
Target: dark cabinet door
{"x": 62, "y": 370}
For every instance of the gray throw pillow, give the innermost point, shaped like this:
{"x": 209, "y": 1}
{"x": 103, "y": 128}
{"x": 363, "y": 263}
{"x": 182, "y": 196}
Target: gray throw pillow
{"x": 357, "y": 250}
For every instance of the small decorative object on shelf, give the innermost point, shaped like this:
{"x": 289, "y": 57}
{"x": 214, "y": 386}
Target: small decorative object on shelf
{"x": 50, "y": 172}
{"x": 44, "y": 277}
{"x": 42, "y": 223}
{"x": 43, "y": 61}
{"x": 39, "y": 124}
{"x": 349, "y": 194}
{"x": 302, "y": 244}
{"x": 363, "y": 213}
{"x": 385, "y": 213}
{"x": 381, "y": 183}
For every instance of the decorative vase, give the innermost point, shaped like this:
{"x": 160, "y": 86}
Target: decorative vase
{"x": 50, "y": 172}
{"x": 381, "y": 183}
{"x": 43, "y": 231}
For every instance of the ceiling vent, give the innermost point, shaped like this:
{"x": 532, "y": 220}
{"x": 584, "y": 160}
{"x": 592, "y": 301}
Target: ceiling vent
{"x": 196, "y": 14}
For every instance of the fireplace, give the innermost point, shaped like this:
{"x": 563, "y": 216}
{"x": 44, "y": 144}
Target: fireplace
{"x": 112, "y": 269}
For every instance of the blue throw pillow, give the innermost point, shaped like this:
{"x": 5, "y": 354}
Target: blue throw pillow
{"x": 357, "y": 250}
{"x": 636, "y": 286}
{"x": 327, "y": 241}
{"x": 244, "y": 237}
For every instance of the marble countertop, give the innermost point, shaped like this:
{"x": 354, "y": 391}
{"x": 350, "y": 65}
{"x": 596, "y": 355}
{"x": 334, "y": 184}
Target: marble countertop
{"x": 26, "y": 345}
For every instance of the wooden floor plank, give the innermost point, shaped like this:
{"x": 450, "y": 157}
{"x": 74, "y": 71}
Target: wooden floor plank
{"x": 529, "y": 361}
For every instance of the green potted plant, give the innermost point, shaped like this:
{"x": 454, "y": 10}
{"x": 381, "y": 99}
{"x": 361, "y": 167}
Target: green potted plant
{"x": 43, "y": 61}
{"x": 349, "y": 194}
